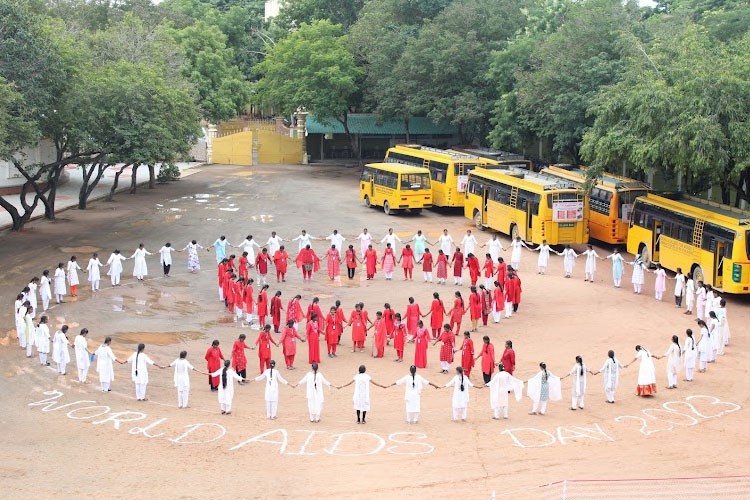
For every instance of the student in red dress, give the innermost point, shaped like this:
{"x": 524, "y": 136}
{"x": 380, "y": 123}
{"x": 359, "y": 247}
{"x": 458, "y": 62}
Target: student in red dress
{"x": 248, "y": 300}
{"x": 276, "y": 309}
{"x": 489, "y": 271}
{"x": 351, "y": 262}
{"x": 502, "y": 271}
{"x": 230, "y": 263}
{"x": 358, "y": 322}
{"x": 486, "y": 296}
{"x": 456, "y": 313}
{"x": 288, "y": 343}
{"x": 314, "y": 308}
{"x": 413, "y": 313}
{"x": 214, "y": 359}
{"x": 472, "y": 264}
{"x": 294, "y": 310}
{"x": 442, "y": 267}
{"x": 263, "y": 343}
{"x": 388, "y": 316}
{"x": 399, "y": 337}
{"x": 263, "y": 305}
{"x": 508, "y": 358}
{"x": 407, "y": 262}
{"x": 261, "y": 265}
{"x": 437, "y": 313}
{"x": 239, "y": 360}
{"x": 243, "y": 263}
{"x": 340, "y": 319}
{"x": 498, "y": 302}
{"x": 281, "y": 262}
{"x": 421, "y": 341}
{"x": 488, "y": 359}
{"x": 239, "y": 298}
{"x": 333, "y": 261}
{"x": 515, "y": 285}
{"x": 221, "y": 276}
{"x": 426, "y": 261}
{"x": 446, "y": 350}
{"x": 308, "y": 260}
{"x": 313, "y": 339}
{"x": 229, "y": 290}
{"x": 333, "y": 331}
{"x": 458, "y": 267}
{"x": 475, "y": 309}
{"x": 371, "y": 262}
{"x": 467, "y": 354}
{"x": 381, "y": 335}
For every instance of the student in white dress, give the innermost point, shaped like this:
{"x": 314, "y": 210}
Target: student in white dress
{"x": 60, "y": 289}
{"x": 639, "y": 270}
{"x": 31, "y": 297}
{"x": 139, "y": 362}
{"x": 19, "y": 310}
{"x": 391, "y": 238}
{"x": 140, "y": 269}
{"x": 446, "y": 243}
{"x": 690, "y": 352}
{"x": 726, "y": 334}
{"x": 273, "y": 377}
{"x": 569, "y": 260}
{"x": 365, "y": 240}
{"x": 60, "y": 353}
{"x": 73, "y": 280}
{"x": 314, "y": 382}
{"x": 115, "y": 266}
{"x": 83, "y": 355}
{"x": 704, "y": 346}
{"x": 679, "y": 287}
{"x": 105, "y": 364}
{"x": 42, "y": 340}
{"x": 45, "y": 290}
{"x": 94, "y": 271}
{"x": 541, "y": 263}
{"x": 715, "y": 330}
{"x": 611, "y": 369}
{"x": 673, "y": 356}
{"x": 249, "y": 246}
{"x": 182, "y": 369}
{"x": 516, "y": 247}
{"x": 460, "y": 399}
{"x": 500, "y": 386}
{"x": 361, "y": 396}
{"x": 336, "y": 240}
{"x": 578, "y": 389}
{"x": 542, "y": 388}
{"x": 469, "y": 243}
{"x": 226, "y": 386}
{"x": 29, "y": 331}
{"x": 413, "y": 385}
{"x": 494, "y": 247}
{"x": 646, "y": 371}
{"x": 689, "y": 293}
{"x": 700, "y": 300}
{"x": 304, "y": 240}
{"x": 591, "y": 258}
{"x": 165, "y": 257}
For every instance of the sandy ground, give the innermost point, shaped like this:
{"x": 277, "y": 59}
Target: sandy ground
{"x": 83, "y": 443}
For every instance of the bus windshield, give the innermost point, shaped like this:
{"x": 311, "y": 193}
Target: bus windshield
{"x": 415, "y": 181}
{"x": 626, "y": 201}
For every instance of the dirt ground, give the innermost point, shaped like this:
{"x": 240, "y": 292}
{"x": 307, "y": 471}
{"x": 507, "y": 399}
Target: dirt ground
{"x": 67, "y": 440}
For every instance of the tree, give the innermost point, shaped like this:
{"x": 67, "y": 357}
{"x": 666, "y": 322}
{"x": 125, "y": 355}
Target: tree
{"x": 298, "y": 12}
{"x": 312, "y": 68}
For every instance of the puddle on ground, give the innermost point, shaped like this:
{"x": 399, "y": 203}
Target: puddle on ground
{"x": 204, "y": 196}
{"x": 229, "y": 209}
{"x": 262, "y": 218}
{"x": 242, "y": 174}
{"x": 82, "y": 249}
{"x": 156, "y": 338}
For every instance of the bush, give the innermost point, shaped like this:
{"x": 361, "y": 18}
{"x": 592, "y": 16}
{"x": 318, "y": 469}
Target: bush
{"x": 168, "y": 172}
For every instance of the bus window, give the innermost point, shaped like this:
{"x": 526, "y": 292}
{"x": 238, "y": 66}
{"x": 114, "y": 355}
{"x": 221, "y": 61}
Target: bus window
{"x": 366, "y": 175}
{"x": 599, "y": 200}
{"x": 438, "y": 171}
{"x": 415, "y": 181}
{"x": 626, "y": 201}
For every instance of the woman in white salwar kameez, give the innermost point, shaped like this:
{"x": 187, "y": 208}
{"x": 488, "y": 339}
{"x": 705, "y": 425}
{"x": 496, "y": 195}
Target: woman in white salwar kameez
{"x": 314, "y": 383}
{"x": 516, "y": 247}
{"x": 646, "y": 371}
{"x": 273, "y": 377}
{"x": 494, "y": 247}
{"x": 721, "y": 313}
{"x": 193, "y": 261}
{"x": 500, "y": 386}
{"x": 639, "y": 270}
{"x": 182, "y": 368}
{"x": 569, "y": 260}
{"x": 139, "y": 371}
{"x": 689, "y": 293}
{"x": 140, "y": 269}
{"x": 704, "y": 346}
{"x": 611, "y": 369}
{"x": 445, "y": 241}
{"x": 226, "y": 386}
{"x": 673, "y": 362}
{"x": 542, "y": 388}
{"x": 83, "y": 355}
{"x": 105, "y": 364}
{"x": 73, "y": 280}
{"x": 460, "y": 399}
{"x": 578, "y": 390}
{"x": 700, "y": 300}
{"x": 361, "y": 397}
{"x": 32, "y": 286}
{"x": 413, "y": 385}
{"x": 60, "y": 289}
{"x": 29, "y": 330}
{"x": 19, "y": 311}
{"x": 714, "y": 330}
{"x": 60, "y": 346}
{"x": 165, "y": 257}
{"x": 690, "y": 353}
{"x": 541, "y": 263}
{"x": 115, "y": 267}
{"x": 591, "y": 258}
{"x": 42, "y": 341}
{"x": 93, "y": 270}
{"x": 45, "y": 290}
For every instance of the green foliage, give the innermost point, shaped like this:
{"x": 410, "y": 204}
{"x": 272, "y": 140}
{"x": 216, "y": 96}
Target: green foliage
{"x": 298, "y": 12}
{"x": 15, "y": 129}
{"x": 168, "y": 172}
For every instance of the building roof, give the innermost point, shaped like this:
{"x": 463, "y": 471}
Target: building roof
{"x": 369, "y": 124}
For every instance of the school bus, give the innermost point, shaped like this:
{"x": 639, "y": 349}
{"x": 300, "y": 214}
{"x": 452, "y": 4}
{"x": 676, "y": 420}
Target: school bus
{"x": 448, "y": 169}
{"x": 531, "y": 205}
{"x": 395, "y": 187}
{"x": 610, "y": 201}
{"x": 708, "y": 239}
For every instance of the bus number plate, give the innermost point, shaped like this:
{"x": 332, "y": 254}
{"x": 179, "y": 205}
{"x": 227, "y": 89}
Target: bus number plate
{"x": 567, "y": 224}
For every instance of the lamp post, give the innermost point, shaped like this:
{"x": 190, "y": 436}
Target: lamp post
{"x": 301, "y": 115}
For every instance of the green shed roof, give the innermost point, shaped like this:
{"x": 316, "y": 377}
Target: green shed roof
{"x": 368, "y": 124}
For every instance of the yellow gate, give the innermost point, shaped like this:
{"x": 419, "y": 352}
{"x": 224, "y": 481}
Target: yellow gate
{"x": 275, "y": 148}
{"x": 234, "y": 149}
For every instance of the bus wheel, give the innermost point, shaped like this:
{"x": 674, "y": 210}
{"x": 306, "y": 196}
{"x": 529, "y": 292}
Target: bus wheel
{"x": 514, "y": 232}
{"x": 367, "y": 201}
{"x": 644, "y": 254}
{"x": 698, "y": 274}
{"x": 387, "y": 208}
{"x": 478, "y": 220}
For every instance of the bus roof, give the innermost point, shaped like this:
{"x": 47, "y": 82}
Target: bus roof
{"x": 702, "y": 209}
{"x": 535, "y": 181}
{"x": 427, "y": 152}
{"x": 398, "y": 168}
{"x": 605, "y": 180}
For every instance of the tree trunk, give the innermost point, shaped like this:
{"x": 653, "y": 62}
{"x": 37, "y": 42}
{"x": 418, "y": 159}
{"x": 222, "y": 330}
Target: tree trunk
{"x": 151, "y": 176}
{"x": 742, "y": 188}
{"x": 87, "y": 186}
{"x": 134, "y": 178}
{"x": 17, "y": 223}
{"x": 115, "y": 183}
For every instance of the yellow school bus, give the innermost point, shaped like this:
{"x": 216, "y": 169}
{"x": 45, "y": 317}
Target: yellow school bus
{"x": 395, "y": 187}
{"x": 708, "y": 239}
{"x": 531, "y": 205}
{"x": 610, "y": 201}
{"x": 448, "y": 170}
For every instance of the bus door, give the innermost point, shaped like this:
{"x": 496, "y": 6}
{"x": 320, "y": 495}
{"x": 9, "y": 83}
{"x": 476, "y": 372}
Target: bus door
{"x": 483, "y": 211}
{"x": 719, "y": 265}
{"x": 657, "y": 240}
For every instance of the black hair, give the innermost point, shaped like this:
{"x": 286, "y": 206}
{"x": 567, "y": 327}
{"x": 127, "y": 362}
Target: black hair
{"x": 579, "y": 360}
{"x": 224, "y": 374}
{"x": 460, "y": 371}
{"x": 362, "y": 369}
{"x": 141, "y": 347}
{"x": 183, "y": 354}
{"x": 413, "y": 370}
